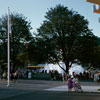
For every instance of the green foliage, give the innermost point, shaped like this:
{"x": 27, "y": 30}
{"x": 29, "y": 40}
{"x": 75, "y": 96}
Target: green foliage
{"x": 20, "y": 35}
{"x": 96, "y": 57}
{"x": 64, "y": 36}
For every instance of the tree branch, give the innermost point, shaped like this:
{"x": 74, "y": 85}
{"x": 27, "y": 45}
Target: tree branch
{"x": 61, "y": 67}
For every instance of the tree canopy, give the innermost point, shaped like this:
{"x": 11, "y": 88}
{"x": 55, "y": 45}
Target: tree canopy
{"x": 20, "y": 35}
{"x": 64, "y": 36}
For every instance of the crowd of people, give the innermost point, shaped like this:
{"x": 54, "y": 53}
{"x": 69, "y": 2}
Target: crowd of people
{"x": 13, "y": 76}
{"x": 73, "y": 82}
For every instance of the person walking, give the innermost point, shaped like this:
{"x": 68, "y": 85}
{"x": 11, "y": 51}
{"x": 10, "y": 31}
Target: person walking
{"x": 15, "y": 75}
{"x": 76, "y": 84}
{"x": 70, "y": 83}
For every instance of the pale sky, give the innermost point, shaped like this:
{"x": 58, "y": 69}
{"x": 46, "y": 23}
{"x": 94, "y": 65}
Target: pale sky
{"x": 35, "y": 10}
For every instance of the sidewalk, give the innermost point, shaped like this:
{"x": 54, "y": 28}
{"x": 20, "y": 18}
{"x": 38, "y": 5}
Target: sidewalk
{"x": 49, "y": 85}
{"x": 37, "y": 89}
{"x": 85, "y": 88}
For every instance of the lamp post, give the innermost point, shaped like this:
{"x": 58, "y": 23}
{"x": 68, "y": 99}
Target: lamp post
{"x": 8, "y": 46}
{"x": 9, "y": 31}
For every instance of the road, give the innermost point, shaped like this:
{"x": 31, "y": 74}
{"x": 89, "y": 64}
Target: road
{"x": 35, "y": 90}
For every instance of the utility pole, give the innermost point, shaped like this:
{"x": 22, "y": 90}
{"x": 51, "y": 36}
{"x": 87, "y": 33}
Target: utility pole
{"x": 9, "y": 31}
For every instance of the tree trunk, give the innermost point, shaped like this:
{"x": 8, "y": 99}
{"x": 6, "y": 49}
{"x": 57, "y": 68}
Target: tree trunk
{"x": 67, "y": 66}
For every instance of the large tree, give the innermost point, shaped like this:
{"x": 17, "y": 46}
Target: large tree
{"x": 64, "y": 36}
{"x": 20, "y": 35}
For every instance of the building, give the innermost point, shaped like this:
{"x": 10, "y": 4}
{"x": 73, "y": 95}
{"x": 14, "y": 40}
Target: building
{"x": 96, "y": 6}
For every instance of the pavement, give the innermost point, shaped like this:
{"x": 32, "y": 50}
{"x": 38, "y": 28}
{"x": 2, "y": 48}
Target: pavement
{"x": 86, "y": 87}
{"x": 49, "y": 85}
{"x": 37, "y": 89}
{"x": 50, "y": 95}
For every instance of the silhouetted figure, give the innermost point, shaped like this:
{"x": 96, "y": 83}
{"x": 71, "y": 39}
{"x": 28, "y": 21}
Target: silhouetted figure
{"x": 70, "y": 83}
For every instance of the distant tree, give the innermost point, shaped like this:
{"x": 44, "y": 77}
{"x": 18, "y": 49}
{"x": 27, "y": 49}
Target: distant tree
{"x": 19, "y": 36}
{"x": 64, "y": 36}
{"x": 96, "y": 58}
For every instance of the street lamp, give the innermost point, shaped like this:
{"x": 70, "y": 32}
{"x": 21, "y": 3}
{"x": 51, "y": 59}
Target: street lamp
{"x": 8, "y": 45}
